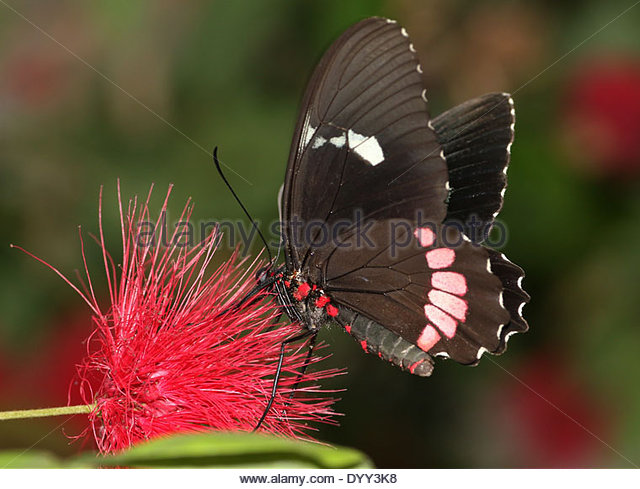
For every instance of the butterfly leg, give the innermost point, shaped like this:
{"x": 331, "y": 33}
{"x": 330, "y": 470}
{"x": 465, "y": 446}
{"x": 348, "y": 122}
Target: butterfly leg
{"x": 307, "y": 361}
{"x": 276, "y": 378}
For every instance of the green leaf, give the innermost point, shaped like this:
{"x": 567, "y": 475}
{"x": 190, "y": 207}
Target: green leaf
{"x": 236, "y": 450}
{"x": 229, "y": 450}
{"x": 28, "y": 459}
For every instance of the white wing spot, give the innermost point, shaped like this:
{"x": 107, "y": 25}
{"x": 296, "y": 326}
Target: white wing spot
{"x": 411, "y": 48}
{"x": 419, "y": 68}
{"x": 280, "y": 192}
{"x": 403, "y": 31}
{"x": 509, "y": 335}
{"x": 338, "y": 141}
{"x": 309, "y": 132}
{"x": 424, "y": 97}
{"x": 318, "y": 142}
{"x": 366, "y": 148}
{"x": 481, "y": 352}
{"x": 504, "y": 257}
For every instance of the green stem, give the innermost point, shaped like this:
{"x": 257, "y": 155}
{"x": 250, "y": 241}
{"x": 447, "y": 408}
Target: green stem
{"x": 41, "y": 413}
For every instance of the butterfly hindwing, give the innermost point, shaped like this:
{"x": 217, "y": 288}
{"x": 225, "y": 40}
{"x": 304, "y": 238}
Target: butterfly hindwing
{"x": 476, "y": 138}
{"x": 438, "y": 293}
{"x": 514, "y": 297}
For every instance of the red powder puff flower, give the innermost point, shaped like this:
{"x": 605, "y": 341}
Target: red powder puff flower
{"x": 171, "y": 353}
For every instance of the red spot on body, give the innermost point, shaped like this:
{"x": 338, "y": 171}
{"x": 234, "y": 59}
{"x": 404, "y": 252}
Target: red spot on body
{"x": 414, "y": 366}
{"x": 332, "y": 310}
{"x": 322, "y": 301}
{"x": 347, "y": 328}
{"x": 302, "y": 292}
{"x": 314, "y": 287}
{"x": 287, "y": 283}
{"x": 363, "y": 344}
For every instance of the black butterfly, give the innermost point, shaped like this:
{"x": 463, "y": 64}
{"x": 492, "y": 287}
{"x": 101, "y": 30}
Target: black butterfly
{"x": 367, "y": 154}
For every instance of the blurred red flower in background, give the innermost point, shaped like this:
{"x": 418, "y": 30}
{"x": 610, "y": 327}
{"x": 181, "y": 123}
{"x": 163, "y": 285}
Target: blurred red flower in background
{"x": 549, "y": 436}
{"x": 602, "y": 116}
{"x": 35, "y": 78}
{"x": 55, "y": 361}
{"x": 40, "y": 376}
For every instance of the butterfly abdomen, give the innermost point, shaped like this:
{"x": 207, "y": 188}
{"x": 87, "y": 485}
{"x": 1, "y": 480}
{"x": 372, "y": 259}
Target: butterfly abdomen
{"x": 380, "y": 341}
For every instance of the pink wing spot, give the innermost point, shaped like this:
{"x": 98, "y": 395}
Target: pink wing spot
{"x": 441, "y": 319}
{"x": 428, "y": 338}
{"x": 449, "y": 303}
{"x": 453, "y": 282}
{"x": 425, "y": 236}
{"x": 440, "y": 257}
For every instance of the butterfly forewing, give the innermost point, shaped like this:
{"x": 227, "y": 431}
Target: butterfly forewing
{"x": 363, "y": 142}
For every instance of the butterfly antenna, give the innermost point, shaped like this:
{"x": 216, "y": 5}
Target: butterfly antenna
{"x": 235, "y": 196}
{"x": 280, "y": 241}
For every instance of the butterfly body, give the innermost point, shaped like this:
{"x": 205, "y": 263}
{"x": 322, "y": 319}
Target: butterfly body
{"x": 380, "y": 205}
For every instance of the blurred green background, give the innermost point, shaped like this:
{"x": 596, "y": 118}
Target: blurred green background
{"x": 232, "y": 74}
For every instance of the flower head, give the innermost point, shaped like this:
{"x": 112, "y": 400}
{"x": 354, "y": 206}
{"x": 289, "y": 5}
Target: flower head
{"x": 174, "y": 352}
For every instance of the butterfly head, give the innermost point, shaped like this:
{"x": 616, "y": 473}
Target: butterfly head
{"x": 264, "y": 276}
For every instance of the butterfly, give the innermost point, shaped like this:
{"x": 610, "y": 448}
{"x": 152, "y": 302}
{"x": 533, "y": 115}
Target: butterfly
{"x": 376, "y": 205}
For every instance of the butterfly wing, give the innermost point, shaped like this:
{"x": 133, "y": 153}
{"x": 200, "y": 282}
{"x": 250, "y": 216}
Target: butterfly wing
{"x": 370, "y": 169}
{"x": 476, "y": 137}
